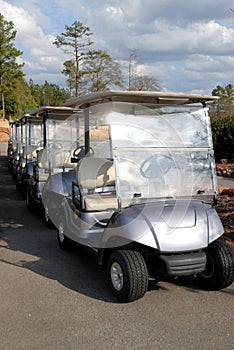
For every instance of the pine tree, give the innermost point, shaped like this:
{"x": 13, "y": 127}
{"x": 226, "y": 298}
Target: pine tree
{"x": 10, "y": 70}
{"x": 75, "y": 41}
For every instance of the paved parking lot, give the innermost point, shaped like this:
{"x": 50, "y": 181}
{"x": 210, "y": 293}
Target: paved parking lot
{"x": 52, "y": 299}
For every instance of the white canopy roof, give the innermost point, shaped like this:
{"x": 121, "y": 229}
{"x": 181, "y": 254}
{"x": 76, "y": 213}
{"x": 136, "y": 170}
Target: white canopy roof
{"x": 147, "y": 98}
{"x": 58, "y": 113}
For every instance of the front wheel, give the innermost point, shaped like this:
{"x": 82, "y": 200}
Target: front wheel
{"x": 128, "y": 275}
{"x": 219, "y": 271}
{"x": 48, "y": 221}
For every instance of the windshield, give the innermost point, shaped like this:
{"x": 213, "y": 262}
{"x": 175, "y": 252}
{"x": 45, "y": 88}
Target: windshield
{"x": 162, "y": 156}
{"x": 61, "y": 140}
{"x": 34, "y": 142}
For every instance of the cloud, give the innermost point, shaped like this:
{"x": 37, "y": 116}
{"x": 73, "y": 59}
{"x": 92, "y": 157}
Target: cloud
{"x": 188, "y": 46}
{"x": 41, "y": 57}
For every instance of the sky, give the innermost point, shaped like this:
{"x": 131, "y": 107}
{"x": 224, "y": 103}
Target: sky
{"x": 188, "y": 46}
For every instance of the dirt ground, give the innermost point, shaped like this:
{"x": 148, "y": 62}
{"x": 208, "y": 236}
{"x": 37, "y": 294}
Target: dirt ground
{"x": 225, "y": 207}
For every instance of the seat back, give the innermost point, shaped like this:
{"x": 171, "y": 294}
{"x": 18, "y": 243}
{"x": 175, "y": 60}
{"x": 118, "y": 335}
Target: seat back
{"x": 93, "y": 172}
{"x": 42, "y": 158}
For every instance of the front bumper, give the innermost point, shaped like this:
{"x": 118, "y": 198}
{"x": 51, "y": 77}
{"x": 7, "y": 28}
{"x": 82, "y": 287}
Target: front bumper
{"x": 184, "y": 264}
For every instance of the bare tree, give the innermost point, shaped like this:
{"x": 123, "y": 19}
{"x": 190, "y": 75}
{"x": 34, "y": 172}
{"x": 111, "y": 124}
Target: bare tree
{"x": 137, "y": 81}
{"x": 101, "y": 71}
{"x": 145, "y": 83}
{"x": 131, "y": 61}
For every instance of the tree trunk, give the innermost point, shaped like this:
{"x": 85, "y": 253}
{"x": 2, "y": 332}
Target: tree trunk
{"x": 3, "y": 98}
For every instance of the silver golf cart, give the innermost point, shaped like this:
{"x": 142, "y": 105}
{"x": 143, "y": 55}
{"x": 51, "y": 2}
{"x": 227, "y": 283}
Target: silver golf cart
{"x": 52, "y": 151}
{"x": 33, "y": 143}
{"x": 12, "y": 144}
{"x": 144, "y": 190}
{"x": 19, "y": 133}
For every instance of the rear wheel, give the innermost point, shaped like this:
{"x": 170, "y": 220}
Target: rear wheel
{"x": 25, "y": 187}
{"x": 219, "y": 271}
{"x": 29, "y": 202}
{"x": 128, "y": 275}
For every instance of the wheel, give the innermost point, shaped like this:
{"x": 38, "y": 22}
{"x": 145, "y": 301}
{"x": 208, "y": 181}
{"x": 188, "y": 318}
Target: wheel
{"x": 62, "y": 239}
{"x": 128, "y": 275}
{"x": 25, "y": 188}
{"x": 18, "y": 187}
{"x": 219, "y": 271}
{"x": 29, "y": 202}
{"x": 48, "y": 221}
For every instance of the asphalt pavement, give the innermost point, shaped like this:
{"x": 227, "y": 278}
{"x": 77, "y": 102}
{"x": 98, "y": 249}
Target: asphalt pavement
{"x": 51, "y": 299}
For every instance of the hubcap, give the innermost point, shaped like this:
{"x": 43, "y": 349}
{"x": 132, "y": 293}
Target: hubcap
{"x": 209, "y": 271}
{"x": 46, "y": 214}
{"x": 116, "y": 276}
{"x": 27, "y": 199}
{"x": 61, "y": 232}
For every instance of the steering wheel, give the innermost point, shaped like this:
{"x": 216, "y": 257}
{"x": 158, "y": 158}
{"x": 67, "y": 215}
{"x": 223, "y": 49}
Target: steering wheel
{"x": 55, "y": 146}
{"x": 79, "y": 152}
{"x": 157, "y": 162}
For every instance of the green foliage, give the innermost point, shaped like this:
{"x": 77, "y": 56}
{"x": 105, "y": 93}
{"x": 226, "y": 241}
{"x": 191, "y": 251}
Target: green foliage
{"x": 18, "y": 99}
{"x": 225, "y": 93}
{"x": 223, "y": 138}
{"x": 48, "y": 94}
{"x": 74, "y": 41}
{"x": 10, "y": 70}
{"x": 70, "y": 72}
{"x": 225, "y": 106}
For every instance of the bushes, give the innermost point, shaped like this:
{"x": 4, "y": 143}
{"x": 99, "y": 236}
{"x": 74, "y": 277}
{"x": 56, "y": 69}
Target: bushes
{"x": 223, "y": 138}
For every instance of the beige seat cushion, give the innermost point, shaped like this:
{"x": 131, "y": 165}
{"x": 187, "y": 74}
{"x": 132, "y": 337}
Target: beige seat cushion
{"x": 42, "y": 159}
{"x": 103, "y": 201}
{"x": 42, "y": 176}
{"x": 93, "y": 172}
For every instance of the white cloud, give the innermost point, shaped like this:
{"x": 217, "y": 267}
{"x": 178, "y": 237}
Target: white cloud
{"x": 188, "y": 46}
{"x": 40, "y": 55}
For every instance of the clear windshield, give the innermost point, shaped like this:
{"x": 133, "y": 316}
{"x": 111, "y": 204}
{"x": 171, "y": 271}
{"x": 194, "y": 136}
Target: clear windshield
{"x": 21, "y": 139}
{"x": 164, "y": 156}
{"x": 34, "y": 142}
{"x": 61, "y": 134}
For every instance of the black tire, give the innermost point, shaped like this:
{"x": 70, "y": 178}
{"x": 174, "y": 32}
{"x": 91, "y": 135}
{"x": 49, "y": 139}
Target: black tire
{"x": 29, "y": 202}
{"x": 18, "y": 187}
{"x": 63, "y": 241}
{"x": 219, "y": 271}
{"x": 127, "y": 275}
{"x": 25, "y": 188}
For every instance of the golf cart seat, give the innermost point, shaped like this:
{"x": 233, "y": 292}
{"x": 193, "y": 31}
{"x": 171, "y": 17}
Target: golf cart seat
{"x": 43, "y": 164}
{"x": 96, "y": 182}
{"x": 61, "y": 160}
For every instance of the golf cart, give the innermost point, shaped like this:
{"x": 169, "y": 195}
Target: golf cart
{"x": 144, "y": 190}
{"x": 33, "y": 143}
{"x": 11, "y": 144}
{"x": 18, "y": 145}
{"x": 53, "y": 146}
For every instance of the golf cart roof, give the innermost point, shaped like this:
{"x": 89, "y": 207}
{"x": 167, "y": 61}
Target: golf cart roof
{"x": 33, "y": 119}
{"x": 147, "y": 98}
{"x": 57, "y": 113}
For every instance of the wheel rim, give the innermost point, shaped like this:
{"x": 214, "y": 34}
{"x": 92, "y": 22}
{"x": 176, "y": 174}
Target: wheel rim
{"x": 61, "y": 232}
{"x": 47, "y": 218}
{"x": 209, "y": 271}
{"x": 116, "y": 276}
{"x": 27, "y": 199}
